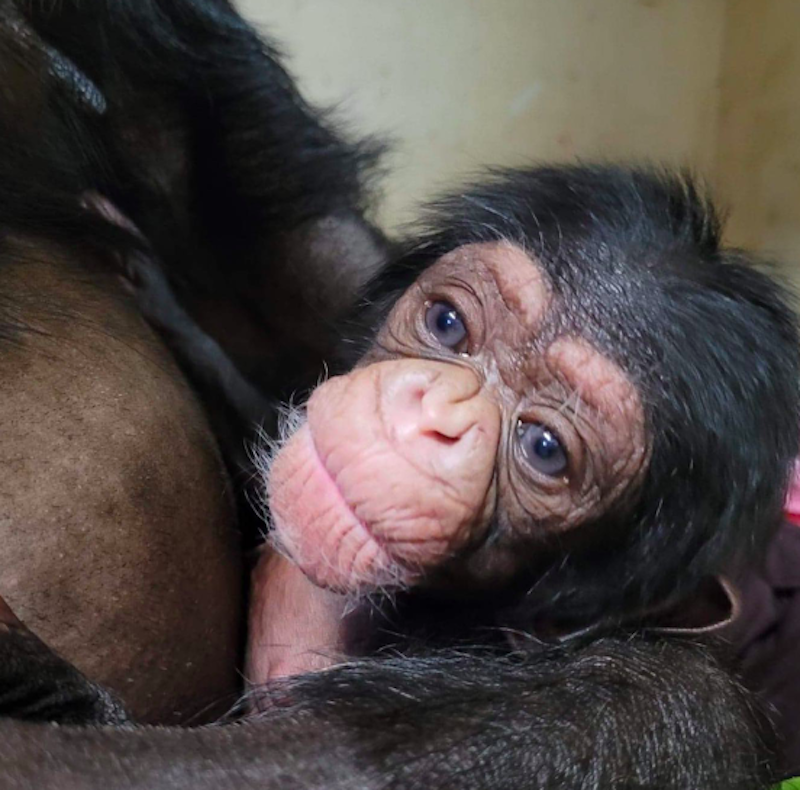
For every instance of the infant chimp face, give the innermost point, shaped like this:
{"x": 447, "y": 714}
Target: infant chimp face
{"x": 476, "y": 429}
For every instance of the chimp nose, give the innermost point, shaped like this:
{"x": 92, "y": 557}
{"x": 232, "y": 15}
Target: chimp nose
{"x": 429, "y": 407}
{"x": 449, "y": 406}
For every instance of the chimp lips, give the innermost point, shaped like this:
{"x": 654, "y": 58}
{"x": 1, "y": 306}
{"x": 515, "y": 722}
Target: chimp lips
{"x": 317, "y": 527}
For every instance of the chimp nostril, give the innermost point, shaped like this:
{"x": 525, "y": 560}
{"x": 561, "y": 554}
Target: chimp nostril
{"x": 441, "y": 438}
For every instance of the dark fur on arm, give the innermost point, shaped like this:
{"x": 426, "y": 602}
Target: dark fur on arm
{"x": 616, "y": 714}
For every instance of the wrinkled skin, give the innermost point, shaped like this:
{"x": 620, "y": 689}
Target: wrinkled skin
{"x": 389, "y": 476}
{"x": 472, "y": 719}
{"x": 405, "y": 465}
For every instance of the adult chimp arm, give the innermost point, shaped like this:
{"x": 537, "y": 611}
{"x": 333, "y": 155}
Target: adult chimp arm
{"x": 621, "y": 714}
{"x": 251, "y": 199}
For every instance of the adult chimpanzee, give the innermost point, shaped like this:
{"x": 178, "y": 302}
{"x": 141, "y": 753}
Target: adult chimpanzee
{"x": 183, "y": 117}
{"x": 609, "y": 710}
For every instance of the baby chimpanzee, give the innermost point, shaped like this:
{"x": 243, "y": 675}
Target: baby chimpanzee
{"x": 559, "y": 422}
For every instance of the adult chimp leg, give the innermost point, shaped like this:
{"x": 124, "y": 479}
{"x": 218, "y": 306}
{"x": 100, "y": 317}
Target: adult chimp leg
{"x": 74, "y": 601}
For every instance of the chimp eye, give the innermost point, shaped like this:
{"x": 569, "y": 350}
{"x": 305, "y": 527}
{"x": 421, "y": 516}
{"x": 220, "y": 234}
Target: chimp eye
{"x": 445, "y": 324}
{"x": 542, "y": 448}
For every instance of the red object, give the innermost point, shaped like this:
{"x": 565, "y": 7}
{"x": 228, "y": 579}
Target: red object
{"x": 792, "y": 506}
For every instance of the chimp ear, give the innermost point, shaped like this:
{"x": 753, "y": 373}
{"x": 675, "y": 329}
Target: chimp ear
{"x": 713, "y": 607}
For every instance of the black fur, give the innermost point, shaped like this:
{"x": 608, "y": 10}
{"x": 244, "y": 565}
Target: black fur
{"x": 38, "y": 685}
{"x": 618, "y": 714}
{"x": 203, "y": 141}
{"x": 230, "y": 105}
{"x": 254, "y": 164}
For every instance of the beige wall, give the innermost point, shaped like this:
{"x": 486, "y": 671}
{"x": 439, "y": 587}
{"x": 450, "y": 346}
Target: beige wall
{"x": 758, "y": 160}
{"x": 463, "y": 83}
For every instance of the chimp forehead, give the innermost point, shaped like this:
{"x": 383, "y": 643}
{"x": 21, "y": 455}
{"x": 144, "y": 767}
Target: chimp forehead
{"x": 610, "y": 239}
{"x": 519, "y": 282}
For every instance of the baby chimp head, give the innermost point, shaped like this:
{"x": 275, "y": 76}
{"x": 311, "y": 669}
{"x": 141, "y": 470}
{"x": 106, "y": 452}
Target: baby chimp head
{"x": 573, "y": 394}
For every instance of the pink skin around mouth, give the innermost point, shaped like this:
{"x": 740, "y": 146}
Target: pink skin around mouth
{"x": 319, "y": 530}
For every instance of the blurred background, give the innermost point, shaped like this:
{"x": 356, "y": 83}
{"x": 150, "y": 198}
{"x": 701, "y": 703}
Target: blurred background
{"x": 457, "y": 84}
